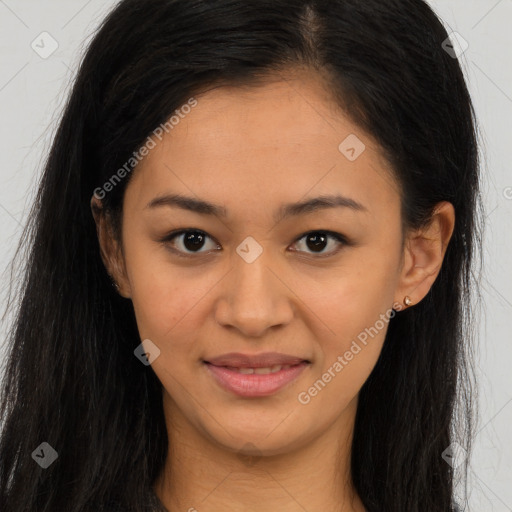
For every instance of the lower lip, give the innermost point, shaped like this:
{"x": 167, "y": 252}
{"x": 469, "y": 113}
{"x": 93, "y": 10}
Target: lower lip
{"x": 254, "y": 385}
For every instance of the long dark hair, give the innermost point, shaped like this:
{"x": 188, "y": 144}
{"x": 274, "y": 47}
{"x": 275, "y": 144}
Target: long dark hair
{"x": 71, "y": 377}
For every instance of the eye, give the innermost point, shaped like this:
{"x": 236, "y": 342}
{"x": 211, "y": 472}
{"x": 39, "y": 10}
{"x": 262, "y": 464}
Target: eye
{"x": 317, "y": 241}
{"x": 191, "y": 241}
{"x": 188, "y": 240}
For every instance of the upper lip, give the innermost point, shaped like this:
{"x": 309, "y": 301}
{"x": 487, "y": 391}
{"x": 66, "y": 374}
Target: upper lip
{"x": 265, "y": 360}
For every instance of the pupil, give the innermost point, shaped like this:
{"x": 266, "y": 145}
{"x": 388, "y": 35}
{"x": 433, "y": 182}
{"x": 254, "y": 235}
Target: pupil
{"x": 195, "y": 240}
{"x": 189, "y": 240}
{"x": 317, "y": 241}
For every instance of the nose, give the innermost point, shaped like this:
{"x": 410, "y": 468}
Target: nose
{"x": 254, "y": 297}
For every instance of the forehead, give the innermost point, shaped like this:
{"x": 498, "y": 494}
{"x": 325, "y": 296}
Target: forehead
{"x": 279, "y": 142}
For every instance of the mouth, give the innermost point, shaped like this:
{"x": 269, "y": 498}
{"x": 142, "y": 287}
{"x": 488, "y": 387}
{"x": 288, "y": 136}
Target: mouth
{"x": 258, "y": 371}
{"x": 255, "y": 376}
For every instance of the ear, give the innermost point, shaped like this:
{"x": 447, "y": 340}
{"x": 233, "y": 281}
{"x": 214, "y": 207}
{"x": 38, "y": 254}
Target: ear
{"x": 110, "y": 249}
{"x": 423, "y": 256}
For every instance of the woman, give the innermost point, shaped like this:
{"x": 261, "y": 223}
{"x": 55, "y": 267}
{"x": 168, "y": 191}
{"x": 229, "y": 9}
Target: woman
{"x": 249, "y": 267}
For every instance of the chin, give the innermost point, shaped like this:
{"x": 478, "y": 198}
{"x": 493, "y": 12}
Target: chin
{"x": 256, "y": 442}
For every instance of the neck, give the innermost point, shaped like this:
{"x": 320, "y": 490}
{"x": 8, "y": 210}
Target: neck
{"x": 200, "y": 474}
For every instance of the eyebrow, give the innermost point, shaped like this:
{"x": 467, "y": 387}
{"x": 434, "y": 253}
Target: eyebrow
{"x": 286, "y": 210}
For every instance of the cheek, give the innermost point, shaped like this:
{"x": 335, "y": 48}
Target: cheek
{"x": 354, "y": 310}
{"x": 354, "y": 321}
{"x": 353, "y": 299}
{"x": 166, "y": 305}
{"x": 164, "y": 296}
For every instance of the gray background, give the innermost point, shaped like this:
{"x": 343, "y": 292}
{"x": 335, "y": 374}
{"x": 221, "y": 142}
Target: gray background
{"x": 32, "y": 93}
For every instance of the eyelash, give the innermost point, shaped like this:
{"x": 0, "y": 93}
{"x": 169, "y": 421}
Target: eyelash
{"x": 329, "y": 234}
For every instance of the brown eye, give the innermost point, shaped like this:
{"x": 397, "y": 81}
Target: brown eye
{"x": 189, "y": 241}
{"x": 317, "y": 241}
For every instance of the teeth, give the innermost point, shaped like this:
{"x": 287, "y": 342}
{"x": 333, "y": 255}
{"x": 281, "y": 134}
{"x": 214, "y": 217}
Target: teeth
{"x": 261, "y": 371}
{"x": 264, "y": 371}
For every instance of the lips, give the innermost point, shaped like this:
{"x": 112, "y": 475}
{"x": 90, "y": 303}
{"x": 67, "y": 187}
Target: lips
{"x": 252, "y": 376}
{"x": 266, "y": 360}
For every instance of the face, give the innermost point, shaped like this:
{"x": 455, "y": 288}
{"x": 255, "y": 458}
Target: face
{"x": 314, "y": 283}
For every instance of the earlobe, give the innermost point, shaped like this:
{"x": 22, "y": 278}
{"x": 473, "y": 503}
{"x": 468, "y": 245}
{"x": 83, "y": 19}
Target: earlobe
{"x": 424, "y": 254}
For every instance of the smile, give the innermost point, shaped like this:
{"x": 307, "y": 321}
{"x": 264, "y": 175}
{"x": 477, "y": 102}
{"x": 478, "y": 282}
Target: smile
{"x": 255, "y": 382}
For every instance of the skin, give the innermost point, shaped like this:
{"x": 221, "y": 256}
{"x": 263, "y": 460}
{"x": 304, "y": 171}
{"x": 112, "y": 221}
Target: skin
{"x": 250, "y": 150}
